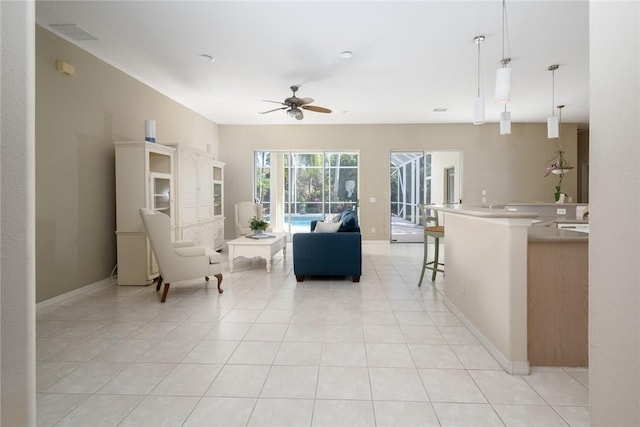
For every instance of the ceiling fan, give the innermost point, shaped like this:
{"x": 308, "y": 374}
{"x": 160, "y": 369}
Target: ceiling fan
{"x": 295, "y": 105}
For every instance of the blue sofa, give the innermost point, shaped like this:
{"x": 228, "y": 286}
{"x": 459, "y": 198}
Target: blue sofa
{"x": 329, "y": 254}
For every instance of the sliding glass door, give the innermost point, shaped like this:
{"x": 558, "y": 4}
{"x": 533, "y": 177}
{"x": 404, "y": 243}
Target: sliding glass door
{"x": 296, "y": 188}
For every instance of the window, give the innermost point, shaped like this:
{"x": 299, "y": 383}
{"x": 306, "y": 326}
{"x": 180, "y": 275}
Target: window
{"x": 298, "y": 187}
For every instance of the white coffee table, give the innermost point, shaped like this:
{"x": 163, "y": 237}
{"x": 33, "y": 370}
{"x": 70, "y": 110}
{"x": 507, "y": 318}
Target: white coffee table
{"x": 264, "y": 248}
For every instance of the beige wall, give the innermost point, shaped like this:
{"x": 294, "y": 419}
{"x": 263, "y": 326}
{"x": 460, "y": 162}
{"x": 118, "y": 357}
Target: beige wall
{"x": 17, "y": 218}
{"x": 77, "y": 120}
{"x": 440, "y": 162}
{"x": 614, "y": 240}
{"x": 510, "y": 168}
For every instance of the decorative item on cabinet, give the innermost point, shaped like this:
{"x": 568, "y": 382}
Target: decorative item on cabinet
{"x": 144, "y": 179}
{"x": 150, "y": 130}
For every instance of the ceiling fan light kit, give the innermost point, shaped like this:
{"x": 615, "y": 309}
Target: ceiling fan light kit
{"x": 295, "y": 113}
{"x": 293, "y": 105}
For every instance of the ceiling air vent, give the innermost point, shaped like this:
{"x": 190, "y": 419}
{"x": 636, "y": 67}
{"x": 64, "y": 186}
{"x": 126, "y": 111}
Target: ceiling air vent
{"x": 73, "y": 32}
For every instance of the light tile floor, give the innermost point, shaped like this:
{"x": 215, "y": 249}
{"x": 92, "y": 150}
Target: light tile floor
{"x": 274, "y": 352}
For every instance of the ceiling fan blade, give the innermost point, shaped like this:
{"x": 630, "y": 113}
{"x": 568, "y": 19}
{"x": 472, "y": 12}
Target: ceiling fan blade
{"x": 276, "y": 102}
{"x": 293, "y": 100}
{"x": 316, "y": 109}
{"x": 275, "y": 109}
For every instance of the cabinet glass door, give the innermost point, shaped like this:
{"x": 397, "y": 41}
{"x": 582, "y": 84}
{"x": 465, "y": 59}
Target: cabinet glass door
{"x": 217, "y": 198}
{"x": 161, "y": 194}
{"x": 217, "y": 189}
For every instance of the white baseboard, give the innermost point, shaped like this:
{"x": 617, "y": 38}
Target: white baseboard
{"x": 52, "y": 302}
{"x": 511, "y": 367}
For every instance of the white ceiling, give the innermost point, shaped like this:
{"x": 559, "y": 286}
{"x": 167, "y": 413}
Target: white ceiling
{"x": 409, "y": 56}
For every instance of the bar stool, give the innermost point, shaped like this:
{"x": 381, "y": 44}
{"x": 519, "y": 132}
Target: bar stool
{"x": 436, "y": 232}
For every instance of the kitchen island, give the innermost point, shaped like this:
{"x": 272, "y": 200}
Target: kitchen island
{"x": 487, "y": 281}
{"x": 557, "y": 297}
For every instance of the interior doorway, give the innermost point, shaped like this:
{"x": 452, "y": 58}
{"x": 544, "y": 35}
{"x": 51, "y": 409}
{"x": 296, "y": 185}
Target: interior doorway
{"x": 420, "y": 177}
{"x": 450, "y": 185}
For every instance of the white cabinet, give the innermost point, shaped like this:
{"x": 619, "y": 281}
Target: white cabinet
{"x": 144, "y": 179}
{"x": 199, "y": 209}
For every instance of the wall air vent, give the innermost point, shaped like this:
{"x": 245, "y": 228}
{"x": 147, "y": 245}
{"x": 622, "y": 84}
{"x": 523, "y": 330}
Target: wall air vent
{"x": 73, "y": 32}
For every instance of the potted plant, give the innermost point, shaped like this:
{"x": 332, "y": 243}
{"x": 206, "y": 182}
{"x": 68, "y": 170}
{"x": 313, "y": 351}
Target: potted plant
{"x": 258, "y": 225}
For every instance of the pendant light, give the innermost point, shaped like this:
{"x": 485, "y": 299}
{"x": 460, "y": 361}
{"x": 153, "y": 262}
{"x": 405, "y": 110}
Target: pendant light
{"x": 558, "y": 165}
{"x": 503, "y": 75}
{"x": 553, "y": 125}
{"x": 505, "y": 122}
{"x": 478, "y": 106}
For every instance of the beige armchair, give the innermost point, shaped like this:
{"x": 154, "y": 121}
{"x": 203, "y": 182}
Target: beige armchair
{"x": 245, "y": 211}
{"x": 181, "y": 260}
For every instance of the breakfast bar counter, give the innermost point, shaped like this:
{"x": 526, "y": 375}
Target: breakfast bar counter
{"x": 500, "y": 293}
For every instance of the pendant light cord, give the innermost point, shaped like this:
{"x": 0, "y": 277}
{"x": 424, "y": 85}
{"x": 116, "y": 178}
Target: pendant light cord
{"x": 505, "y": 33}
{"x": 504, "y": 13}
{"x": 553, "y": 92}
{"x": 479, "y": 68}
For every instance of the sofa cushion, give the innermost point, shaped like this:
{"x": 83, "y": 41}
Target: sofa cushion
{"x": 349, "y": 221}
{"x": 327, "y": 227}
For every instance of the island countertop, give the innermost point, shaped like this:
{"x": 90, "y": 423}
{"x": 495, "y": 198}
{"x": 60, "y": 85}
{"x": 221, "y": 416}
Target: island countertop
{"x": 483, "y": 211}
{"x": 542, "y": 229}
{"x": 553, "y": 234}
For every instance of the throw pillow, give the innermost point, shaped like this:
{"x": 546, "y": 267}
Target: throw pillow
{"x": 332, "y": 218}
{"x": 349, "y": 221}
{"x": 325, "y": 227}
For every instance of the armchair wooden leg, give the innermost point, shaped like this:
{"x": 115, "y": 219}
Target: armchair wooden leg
{"x": 159, "y": 283}
{"x": 219, "y": 277}
{"x": 299, "y": 278}
{"x": 356, "y": 278}
{"x": 165, "y": 291}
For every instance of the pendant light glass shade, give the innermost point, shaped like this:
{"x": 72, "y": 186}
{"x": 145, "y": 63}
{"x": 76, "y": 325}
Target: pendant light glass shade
{"x": 553, "y": 124}
{"x": 478, "y": 111}
{"x": 553, "y": 127}
{"x": 505, "y": 123}
{"x": 503, "y": 85}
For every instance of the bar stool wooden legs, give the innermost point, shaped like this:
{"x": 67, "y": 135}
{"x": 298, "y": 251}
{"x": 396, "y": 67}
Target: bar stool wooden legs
{"x": 437, "y": 232}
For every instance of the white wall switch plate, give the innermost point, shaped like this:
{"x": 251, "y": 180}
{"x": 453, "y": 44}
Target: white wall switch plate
{"x": 561, "y": 211}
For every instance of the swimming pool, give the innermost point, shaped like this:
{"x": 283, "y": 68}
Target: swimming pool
{"x": 301, "y": 220}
